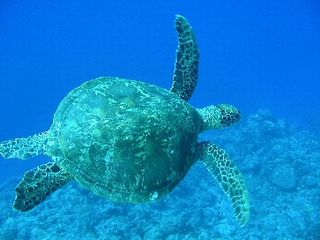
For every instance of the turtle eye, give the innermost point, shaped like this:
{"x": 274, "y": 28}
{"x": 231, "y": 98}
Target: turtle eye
{"x": 229, "y": 114}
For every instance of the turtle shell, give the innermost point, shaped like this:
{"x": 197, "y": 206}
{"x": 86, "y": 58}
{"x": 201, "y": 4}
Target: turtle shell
{"x": 124, "y": 139}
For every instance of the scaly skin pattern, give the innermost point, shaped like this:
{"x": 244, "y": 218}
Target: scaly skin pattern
{"x": 123, "y": 139}
{"x": 218, "y": 116}
{"x": 187, "y": 60}
{"x": 24, "y": 148}
{"x": 39, "y": 183}
{"x": 228, "y": 176}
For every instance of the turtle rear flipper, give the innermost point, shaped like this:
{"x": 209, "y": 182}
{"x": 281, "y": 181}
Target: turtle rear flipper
{"x": 229, "y": 178}
{"x": 187, "y": 60}
{"x": 39, "y": 183}
{"x": 24, "y": 148}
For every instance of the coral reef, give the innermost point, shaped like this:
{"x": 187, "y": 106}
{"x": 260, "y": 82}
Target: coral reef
{"x": 281, "y": 165}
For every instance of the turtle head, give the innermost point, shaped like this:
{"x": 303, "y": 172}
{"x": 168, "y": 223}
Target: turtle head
{"x": 218, "y": 116}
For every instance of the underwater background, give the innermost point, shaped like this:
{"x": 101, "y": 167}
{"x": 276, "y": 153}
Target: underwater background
{"x": 261, "y": 56}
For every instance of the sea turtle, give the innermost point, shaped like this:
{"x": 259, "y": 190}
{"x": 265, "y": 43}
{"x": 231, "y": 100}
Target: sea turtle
{"x": 130, "y": 141}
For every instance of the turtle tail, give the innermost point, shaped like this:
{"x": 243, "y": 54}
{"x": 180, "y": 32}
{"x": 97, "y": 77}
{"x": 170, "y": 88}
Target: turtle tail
{"x": 24, "y": 148}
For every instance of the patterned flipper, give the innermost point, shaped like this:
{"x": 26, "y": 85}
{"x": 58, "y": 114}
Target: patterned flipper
{"x": 229, "y": 178}
{"x": 39, "y": 183}
{"x": 187, "y": 60}
{"x": 24, "y": 148}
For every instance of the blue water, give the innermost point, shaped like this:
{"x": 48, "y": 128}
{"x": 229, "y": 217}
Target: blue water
{"x": 254, "y": 54}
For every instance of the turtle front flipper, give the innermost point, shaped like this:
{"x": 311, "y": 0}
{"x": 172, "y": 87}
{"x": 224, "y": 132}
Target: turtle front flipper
{"x": 24, "y": 148}
{"x": 39, "y": 183}
{"x": 187, "y": 60}
{"x": 228, "y": 176}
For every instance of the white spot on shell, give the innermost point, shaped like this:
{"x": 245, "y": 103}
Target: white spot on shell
{"x": 154, "y": 196}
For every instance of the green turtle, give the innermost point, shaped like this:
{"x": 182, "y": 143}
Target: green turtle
{"x": 130, "y": 141}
